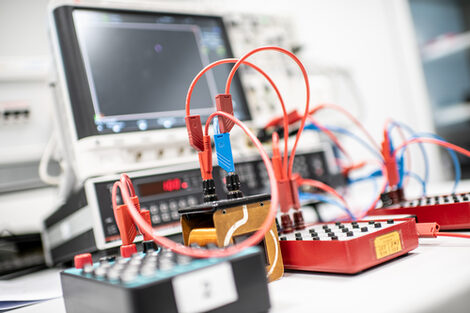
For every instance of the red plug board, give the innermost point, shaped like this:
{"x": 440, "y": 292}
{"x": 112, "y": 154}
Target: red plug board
{"x": 348, "y": 247}
{"x": 449, "y": 211}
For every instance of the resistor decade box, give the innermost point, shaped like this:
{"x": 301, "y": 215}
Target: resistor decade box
{"x": 449, "y": 211}
{"x": 349, "y": 247}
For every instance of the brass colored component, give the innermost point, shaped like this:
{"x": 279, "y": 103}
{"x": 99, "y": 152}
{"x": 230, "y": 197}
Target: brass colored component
{"x": 202, "y": 236}
{"x": 227, "y": 225}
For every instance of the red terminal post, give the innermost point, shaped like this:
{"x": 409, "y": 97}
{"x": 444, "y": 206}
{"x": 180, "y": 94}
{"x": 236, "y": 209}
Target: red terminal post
{"x": 427, "y": 230}
{"x": 223, "y": 103}
{"x": 80, "y": 260}
{"x": 299, "y": 222}
{"x": 286, "y": 223}
{"x": 195, "y": 133}
{"x": 128, "y": 250}
{"x": 390, "y": 162}
{"x": 289, "y": 199}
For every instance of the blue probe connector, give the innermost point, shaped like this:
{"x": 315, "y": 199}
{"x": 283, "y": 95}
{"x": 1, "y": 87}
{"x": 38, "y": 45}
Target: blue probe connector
{"x": 224, "y": 152}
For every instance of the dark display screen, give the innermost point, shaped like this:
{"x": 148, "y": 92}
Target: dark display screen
{"x": 159, "y": 187}
{"x": 138, "y": 67}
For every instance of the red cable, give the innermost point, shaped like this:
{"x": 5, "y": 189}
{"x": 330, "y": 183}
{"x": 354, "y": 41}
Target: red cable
{"x": 453, "y": 235}
{"x": 360, "y": 215}
{"x": 307, "y": 86}
{"x": 434, "y": 141}
{"x": 233, "y": 60}
{"x": 113, "y": 197}
{"x": 276, "y": 159}
{"x": 350, "y": 116}
{"x": 325, "y": 188}
{"x": 128, "y": 182}
{"x": 147, "y": 229}
{"x": 403, "y": 138}
{"x": 332, "y": 138}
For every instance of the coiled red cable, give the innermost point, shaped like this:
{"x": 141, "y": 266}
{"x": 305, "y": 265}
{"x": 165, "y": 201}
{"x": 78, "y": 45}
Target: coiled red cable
{"x": 194, "y": 252}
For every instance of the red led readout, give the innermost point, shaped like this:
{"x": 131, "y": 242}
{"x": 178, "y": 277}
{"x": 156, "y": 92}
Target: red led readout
{"x": 154, "y": 188}
{"x": 172, "y": 184}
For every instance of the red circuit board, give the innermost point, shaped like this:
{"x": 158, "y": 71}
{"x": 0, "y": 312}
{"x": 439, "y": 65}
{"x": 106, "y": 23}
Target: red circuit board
{"x": 449, "y": 211}
{"x": 348, "y": 247}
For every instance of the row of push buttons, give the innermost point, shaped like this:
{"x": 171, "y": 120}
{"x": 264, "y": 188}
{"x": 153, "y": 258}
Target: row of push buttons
{"x": 337, "y": 231}
{"x": 126, "y": 270}
{"x": 435, "y": 200}
{"x": 167, "y": 211}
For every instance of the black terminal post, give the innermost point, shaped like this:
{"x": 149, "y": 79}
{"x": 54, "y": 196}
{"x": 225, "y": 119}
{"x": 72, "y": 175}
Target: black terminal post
{"x": 208, "y": 189}
{"x": 149, "y": 246}
{"x": 232, "y": 182}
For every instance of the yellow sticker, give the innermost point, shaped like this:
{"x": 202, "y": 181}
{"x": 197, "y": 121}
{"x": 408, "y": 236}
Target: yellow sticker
{"x": 387, "y": 244}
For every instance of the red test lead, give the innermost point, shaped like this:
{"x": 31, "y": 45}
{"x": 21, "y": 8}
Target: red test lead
{"x": 205, "y": 159}
{"x": 223, "y": 103}
{"x": 194, "y": 128}
{"x": 127, "y": 227}
{"x": 390, "y": 162}
{"x": 292, "y": 117}
{"x": 288, "y": 194}
{"x": 427, "y": 230}
{"x": 277, "y": 159}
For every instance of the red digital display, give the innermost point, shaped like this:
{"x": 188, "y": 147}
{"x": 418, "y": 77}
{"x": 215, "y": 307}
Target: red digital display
{"x": 159, "y": 187}
{"x": 172, "y": 184}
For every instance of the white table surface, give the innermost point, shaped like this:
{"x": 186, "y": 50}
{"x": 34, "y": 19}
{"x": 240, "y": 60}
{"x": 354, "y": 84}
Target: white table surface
{"x": 433, "y": 278}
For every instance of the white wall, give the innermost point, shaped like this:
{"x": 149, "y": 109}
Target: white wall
{"x": 23, "y": 28}
{"x": 374, "y": 39}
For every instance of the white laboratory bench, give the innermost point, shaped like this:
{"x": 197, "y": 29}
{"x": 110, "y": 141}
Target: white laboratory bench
{"x": 433, "y": 278}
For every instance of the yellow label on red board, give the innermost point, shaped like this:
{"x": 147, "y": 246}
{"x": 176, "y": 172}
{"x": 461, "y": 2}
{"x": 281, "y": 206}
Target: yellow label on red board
{"x": 387, "y": 244}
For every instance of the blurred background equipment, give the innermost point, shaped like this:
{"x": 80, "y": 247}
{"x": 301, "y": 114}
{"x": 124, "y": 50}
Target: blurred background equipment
{"x": 20, "y": 254}
{"x": 443, "y": 35}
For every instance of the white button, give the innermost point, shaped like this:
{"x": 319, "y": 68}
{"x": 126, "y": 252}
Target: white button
{"x": 165, "y": 217}
{"x": 192, "y": 200}
{"x": 173, "y": 205}
{"x": 182, "y": 203}
{"x": 156, "y": 219}
{"x": 163, "y": 207}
